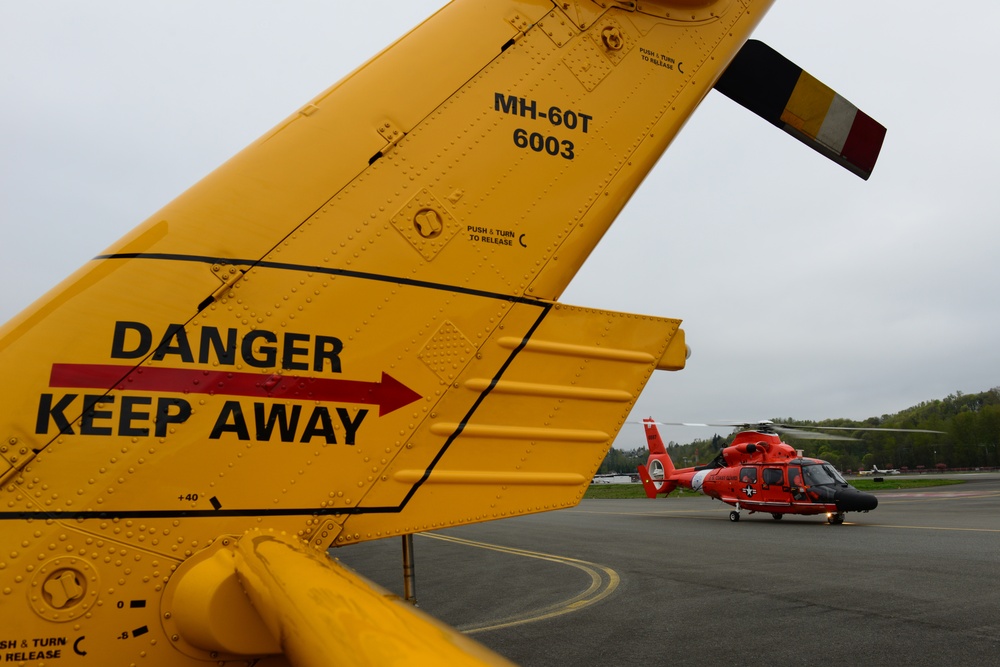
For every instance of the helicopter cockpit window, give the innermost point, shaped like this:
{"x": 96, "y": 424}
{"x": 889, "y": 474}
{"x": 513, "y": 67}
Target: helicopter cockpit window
{"x": 748, "y": 475}
{"x": 773, "y": 476}
{"x": 816, "y": 475}
{"x": 836, "y": 475}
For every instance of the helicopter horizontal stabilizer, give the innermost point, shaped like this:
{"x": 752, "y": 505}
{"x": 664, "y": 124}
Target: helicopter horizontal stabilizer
{"x": 649, "y": 487}
{"x": 782, "y": 93}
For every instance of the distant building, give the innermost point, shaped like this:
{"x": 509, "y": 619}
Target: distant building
{"x": 614, "y": 478}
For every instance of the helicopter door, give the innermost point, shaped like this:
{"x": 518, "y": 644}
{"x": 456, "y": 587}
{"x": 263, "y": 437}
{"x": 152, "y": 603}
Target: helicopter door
{"x": 772, "y": 484}
{"x": 795, "y": 483}
{"x": 749, "y": 484}
{"x": 773, "y": 477}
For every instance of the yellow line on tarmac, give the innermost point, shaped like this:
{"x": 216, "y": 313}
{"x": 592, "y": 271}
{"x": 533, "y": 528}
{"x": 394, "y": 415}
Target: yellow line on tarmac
{"x": 597, "y": 591}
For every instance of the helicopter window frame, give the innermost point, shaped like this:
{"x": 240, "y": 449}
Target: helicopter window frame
{"x": 816, "y": 474}
{"x": 835, "y": 473}
{"x": 796, "y": 482}
{"x": 769, "y": 478}
{"x": 748, "y": 475}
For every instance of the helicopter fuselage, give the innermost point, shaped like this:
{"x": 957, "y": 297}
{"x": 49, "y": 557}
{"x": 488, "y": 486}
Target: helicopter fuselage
{"x": 759, "y": 473}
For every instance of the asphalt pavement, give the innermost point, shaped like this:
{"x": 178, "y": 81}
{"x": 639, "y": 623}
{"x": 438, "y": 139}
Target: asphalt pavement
{"x": 672, "y": 580}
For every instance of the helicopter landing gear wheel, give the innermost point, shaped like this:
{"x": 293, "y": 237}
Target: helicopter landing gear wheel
{"x": 777, "y": 516}
{"x": 734, "y": 516}
{"x": 836, "y": 518}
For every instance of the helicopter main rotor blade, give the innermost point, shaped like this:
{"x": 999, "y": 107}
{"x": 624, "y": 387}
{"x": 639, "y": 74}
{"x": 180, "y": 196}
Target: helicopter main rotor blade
{"x": 860, "y": 428}
{"x": 659, "y": 423}
{"x": 798, "y": 432}
{"x": 794, "y": 433}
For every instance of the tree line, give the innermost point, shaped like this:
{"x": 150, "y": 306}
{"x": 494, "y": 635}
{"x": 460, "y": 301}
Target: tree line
{"x": 970, "y": 438}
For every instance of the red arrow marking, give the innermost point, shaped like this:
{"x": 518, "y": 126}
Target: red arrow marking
{"x": 389, "y": 394}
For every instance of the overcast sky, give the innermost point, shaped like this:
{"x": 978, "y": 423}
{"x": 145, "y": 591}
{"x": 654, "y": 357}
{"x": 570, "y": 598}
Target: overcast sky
{"x": 805, "y": 291}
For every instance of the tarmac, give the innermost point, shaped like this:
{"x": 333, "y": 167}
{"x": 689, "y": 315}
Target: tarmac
{"x": 672, "y": 580}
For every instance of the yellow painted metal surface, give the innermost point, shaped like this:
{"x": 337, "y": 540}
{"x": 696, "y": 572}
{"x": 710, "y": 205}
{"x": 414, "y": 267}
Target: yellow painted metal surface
{"x": 808, "y": 105}
{"x": 326, "y": 613}
{"x": 351, "y": 329}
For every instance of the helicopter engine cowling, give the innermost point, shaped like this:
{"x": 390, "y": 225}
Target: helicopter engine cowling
{"x": 745, "y": 452}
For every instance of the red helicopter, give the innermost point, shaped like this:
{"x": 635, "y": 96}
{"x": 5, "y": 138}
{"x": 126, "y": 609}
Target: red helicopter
{"x": 759, "y": 473}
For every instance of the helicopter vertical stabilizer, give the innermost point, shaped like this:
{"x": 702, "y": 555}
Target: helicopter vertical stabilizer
{"x": 653, "y": 439}
{"x": 659, "y": 467}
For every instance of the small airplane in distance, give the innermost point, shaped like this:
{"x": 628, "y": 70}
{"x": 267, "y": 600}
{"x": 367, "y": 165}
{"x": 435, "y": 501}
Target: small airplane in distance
{"x": 876, "y": 471}
{"x": 351, "y": 331}
{"x": 757, "y": 473}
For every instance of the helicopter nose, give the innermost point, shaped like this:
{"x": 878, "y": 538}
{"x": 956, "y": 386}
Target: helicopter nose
{"x": 852, "y": 500}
